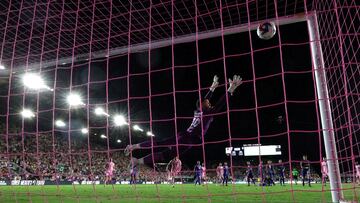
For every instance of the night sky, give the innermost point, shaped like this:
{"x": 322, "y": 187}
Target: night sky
{"x": 269, "y": 89}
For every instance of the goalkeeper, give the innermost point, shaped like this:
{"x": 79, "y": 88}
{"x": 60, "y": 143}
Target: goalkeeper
{"x": 193, "y": 135}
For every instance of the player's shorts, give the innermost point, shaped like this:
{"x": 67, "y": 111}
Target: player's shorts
{"x": 174, "y": 173}
{"x": 134, "y": 172}
{"x": 109, "y": 173}
{"x": 250, "y": 175}
{"x": 304, "y": 172}
{"x": 169, "y": 177}
{"x": 358, "y": 175}
{"x": 295, "y": 177}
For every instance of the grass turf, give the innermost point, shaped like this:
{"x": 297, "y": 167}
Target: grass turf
{"x": 165, "y": 193}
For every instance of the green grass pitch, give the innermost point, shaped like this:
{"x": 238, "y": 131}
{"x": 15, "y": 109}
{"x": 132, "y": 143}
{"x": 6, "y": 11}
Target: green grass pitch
{"x": 166, "y": 193}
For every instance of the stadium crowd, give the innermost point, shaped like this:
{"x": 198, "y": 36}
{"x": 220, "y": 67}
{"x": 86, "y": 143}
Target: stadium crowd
{"x": 42, "y": 157}
{"x": 45, "y": 157}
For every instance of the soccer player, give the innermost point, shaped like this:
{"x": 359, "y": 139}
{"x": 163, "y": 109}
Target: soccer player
{"x": 357, "y": 169}
{"x": 109, "y": 172}
{"x": 295, "y": 174}
{"x": 261, "y": 173}
{"x": 281, "y": 171}
{"x": 226, "y": 174}
{"x": 203, "y": 174}
{"x": 249, "y": 173}
{"x": 193, "y": 134}
{"x": 305, "y": 170}
{"x": 270, "y": 173}
{"x": 324, "y": 170}
{"x": 174, "y": 168}
{"x": 198, "y": 172}
{"x": 220, "y": 173}
{"x": 133, "y": 172}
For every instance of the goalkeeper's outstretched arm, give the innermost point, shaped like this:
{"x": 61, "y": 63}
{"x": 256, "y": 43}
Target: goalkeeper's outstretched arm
{"x": 233, "y": 84}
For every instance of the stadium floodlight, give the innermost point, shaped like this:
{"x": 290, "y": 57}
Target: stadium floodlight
{"x": 100, "y": 111}
{"x": 119, "y": 120}
{"x": 84, "y": 131}
{"x": 2, "y": 67}
{"x": 150, "y": 134}
{"x": 137, "y": 128}
{"x": 34, "y": 81}
{"x": 74, "y": 100}
{"x": 118, "y": 141}
{"x": 27, "y": 113}
{"x": 103, "y": 136}
{"x": 60, "y": 123}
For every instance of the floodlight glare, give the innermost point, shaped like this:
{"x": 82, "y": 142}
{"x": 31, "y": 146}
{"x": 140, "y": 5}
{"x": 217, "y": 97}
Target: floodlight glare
{"x": 119, "y": 120}
{"x": 27, "y": 113}
{"x": 148, "y": 133}
{"x": 74, "y": 100}
{"x": 100, "y": 111}
{"x": 34, "y": 81}
{"x": 118, "y": 141}
{"x": 2, "y": 67}
{"x": 60, "y": 123}
{"x": 103, "y": 136}
{"x": 84, "y": 131}
{"x": 137, "y": 128}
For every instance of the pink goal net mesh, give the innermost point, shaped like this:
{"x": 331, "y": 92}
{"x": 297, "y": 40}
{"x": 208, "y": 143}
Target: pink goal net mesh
{"x": 138, "y": 69}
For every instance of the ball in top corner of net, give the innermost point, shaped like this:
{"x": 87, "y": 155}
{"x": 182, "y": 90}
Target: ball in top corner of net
{"x": 266, "y": 30}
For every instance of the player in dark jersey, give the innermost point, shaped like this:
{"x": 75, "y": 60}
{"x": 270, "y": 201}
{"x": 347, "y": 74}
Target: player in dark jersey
{"x": 198, "y": 172}
{"x": 133, "y": 172}
{"x": 270, "y": 174}
{"x": 193, "y": 134}
{"x": 226, "y": 174}
{"x": 281, "y": 172}
{"x": 249, "y": 173}
{"x": 305, "y": 170}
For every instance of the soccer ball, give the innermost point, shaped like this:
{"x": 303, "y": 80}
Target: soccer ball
{"x": 266, "y": 30}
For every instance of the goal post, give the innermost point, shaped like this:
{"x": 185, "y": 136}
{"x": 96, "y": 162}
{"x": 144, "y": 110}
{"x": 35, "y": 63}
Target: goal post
{"x": 324, "y": 108}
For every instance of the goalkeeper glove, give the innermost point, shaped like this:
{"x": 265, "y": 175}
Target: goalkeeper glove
{"x": 215, "y": 83}
{"x": 234, "y": 83}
